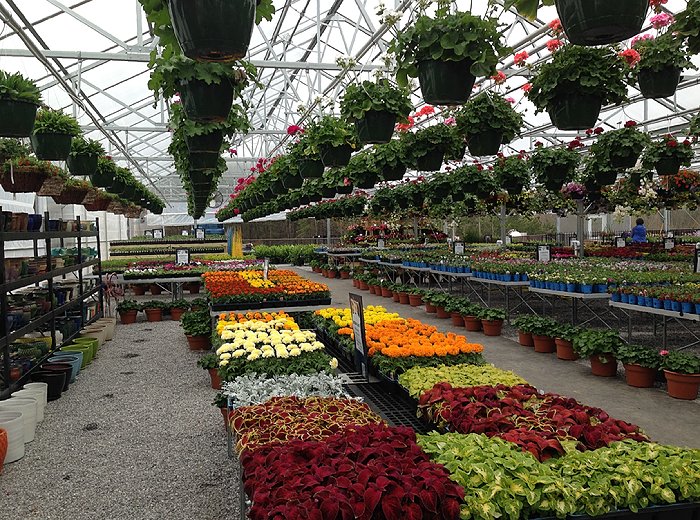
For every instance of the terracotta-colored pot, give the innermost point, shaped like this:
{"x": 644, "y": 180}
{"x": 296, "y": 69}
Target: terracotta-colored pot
{"x": 387, "y": 293}
{"x": 565, "y": 350}
{"x": 682, "y": 386}
{"x": 316, "y": 269}
{"x": 363, "y": 286}
{"x": 375, "y": 289}
{"x": 128, "y": 317}
{"x": 442, "y": 313}
{"x": 430, "y": 308}
{"x": 403, "y": 298}
{"x": 415, "y": 300}
{"x": 525, "y": 339}
{"x": 154, "y": 314}
{"x": 472, "y": 323}
{"x": 176, "y": 314}
{"x": 198, "y": 342}
{"x": 332, "y": 273}
{"x": 156, "y": 289}
{"x": 457, "y": 319}
{"x": 344, "y": 275}
{"x": 601, "y": 369}
{"x": 355, "y": 282}
{"x": 492, "y": 327}
{"x": 3, "y": 447}
{"x": 324, "y": 273}
{"x": 215, "y": 379}
{"x": 544, "y": 344}
{"x": 139, "y": 289}
{"x": 396, "y": 296}
{"x": 639, "y": 376}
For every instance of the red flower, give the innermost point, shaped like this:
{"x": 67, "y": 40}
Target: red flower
{"x": 294, "y": 130}
{"x": 556, "y": 27}
{"x": 527, "y": 87}
{"x": 519, "y": 58}
{"x": 499, "y": 77}
{"x": 554, "y": 44}
{"x": 631, "y": 56}
{"x": 630, "y": 124}
{"x": 598, "y": 131}
{"x": 425, "y": 111}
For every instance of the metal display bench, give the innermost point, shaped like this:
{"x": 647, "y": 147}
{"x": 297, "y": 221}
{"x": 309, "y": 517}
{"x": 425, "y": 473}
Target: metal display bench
{"x": 578, "y": 300}
{"x": 514, "y": 293}
{"x": 679, "y": 318}
{"x": 172, "y": 285}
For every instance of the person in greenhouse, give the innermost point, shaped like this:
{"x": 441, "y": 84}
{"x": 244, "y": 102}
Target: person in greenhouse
{"x": 639, "y": 232}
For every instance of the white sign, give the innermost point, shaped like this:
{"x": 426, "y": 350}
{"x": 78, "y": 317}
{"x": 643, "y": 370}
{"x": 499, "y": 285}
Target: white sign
{"x": 380, "y": 243}
{"x": 669, "y": 244}
{"x": 544, "y": 253}
{"x": 697, "y": 261}
{"x": 185, "y": 233}
{"x": 620, "y": 242}
{"x": 157, "y": 233}
{"x": 182, "y": 256}
{"x": 266, "y": 268}
{"x": 459, "y": 248}
{"x": 200, "y": 234}
{"x": 509, "y": 240}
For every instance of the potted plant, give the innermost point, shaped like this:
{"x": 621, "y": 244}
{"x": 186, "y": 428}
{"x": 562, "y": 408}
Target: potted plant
{"x": 390, "y": 159}
{"x": 197, "y": 327}
{"x": 210, "y": 363}
{"x": 554, "y": 166}
{"x": 128, "y": 309}
{"x": 84, "y": 156}
{"x": 154, "y": 310}
{"x": 662, "y": 59}
{"x": 524, "y": 325}
{"x": 486, "y": 122}
{"x": 573, "y": 87}
{"x": 426, "y": 148}
{"x": 447, "y": 53}
{"x": 682, "y": 371}
{"x": 19, "y": 100}
{"x": 345, "y": 272}
{"x": 623, "y": 146}
{"x": 156, "y": 290}
{"x": 74, "y": 192}
{"x": 52, "y": 135}
{"x": 415, "y": 297}
{"x": 362, "y": 171}
{"x": 333, "y": 138}
{"x": 687, "y": 25}
{"x": 513, "y": 173}
{"x": 492, "y": 321}
{"x": 306, "y": 158}
{"x": 667, "y": 155}
{"x": 105, "y": 173}
{"x": 178, "y": 308}
{"x": 375, "y": 107}
{"x": 564, "y": 340}
{"x": 543, "y": 333}
{"x": 641, "y": 364}
{"x": 600, "y": 347}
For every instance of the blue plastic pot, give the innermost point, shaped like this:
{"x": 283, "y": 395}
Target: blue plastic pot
{"x": 649, "y": 301}
{"x": 676, "y": 306}
{"x": 697, "y": 308}
{"x": 687, "y": 307}
{"x": 632, "y": 299}
{"x": 586, "y": 288}
{"x": 657, "y": 303}
{"x": 601, "y": 288}
{"x": 616, "y": 297}
{"x": 625, "y": 298}
{"x": 570, "y": 287}
{"x": 667, "y": 305}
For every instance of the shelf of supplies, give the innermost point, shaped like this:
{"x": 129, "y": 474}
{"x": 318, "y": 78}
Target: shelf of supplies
{"x": 31, "y": 280}
{"x": 43, "y": 235}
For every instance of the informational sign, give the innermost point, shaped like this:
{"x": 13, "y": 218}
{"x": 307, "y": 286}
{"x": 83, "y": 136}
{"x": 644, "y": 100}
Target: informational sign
{"x": 669, "y": 244}
{"x": 670, "y": 234}
{"x": 620, "y": 242}
{"x": 380, "y": 243}
{"x": 509, "y": 240}
{"x": 185, "y": 233}
{"x": 459, "y": 248}
{"x": 266, "y": 268}
{"x": 357, "y": 313}
{"x": 148, "y": 233}
{"x": 199, "y": 232}
{"x": 544, "y": 253}
{"x": 696, "y": 266}
{"x": 182, "y": 256}
{"x": 157, "y": 233}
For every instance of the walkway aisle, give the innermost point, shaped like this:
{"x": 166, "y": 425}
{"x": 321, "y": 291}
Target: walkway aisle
{"x": 663, "y": 418}
{"x": 134, "y": 437}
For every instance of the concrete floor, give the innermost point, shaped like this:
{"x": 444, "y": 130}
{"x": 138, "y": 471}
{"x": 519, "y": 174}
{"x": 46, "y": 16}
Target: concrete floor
{"x": 664, "y": 419}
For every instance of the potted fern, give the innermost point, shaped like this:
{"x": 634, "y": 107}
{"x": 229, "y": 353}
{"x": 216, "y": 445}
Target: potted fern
{"x": 486, "y": 122}
{"x": 19, "y": 100}
{"x": 84, "y": 156}
{"x": 52, "y": 135}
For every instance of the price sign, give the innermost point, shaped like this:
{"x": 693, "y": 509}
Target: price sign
{"x": 670, "y": 234}
{"x": 620, "y": 242}
{"x": 380, "y": 243}
{"x": 266, "y": 268}
{"x": 182, "y": 256}
{"x": 357, "y": 313}
{"x": 157, "y": 233}
{"x": 199, "y": 233}
{"x": 148, "y": 233}
{"x": 669, "y": 244}
{"x": 459, "y": 248}
{"x": 544, "y": 253}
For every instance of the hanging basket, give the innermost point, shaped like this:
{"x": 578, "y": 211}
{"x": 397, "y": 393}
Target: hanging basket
{"x": 600, "y": 22}
{"x": 328, "y": 192}
{"x": 71, "y": 196}
{"x": 22, "y": 179}
{"x": 133, "y": 212}
{"x": 659, "y": 84}
{"x": 100, "y": 204}
{"x": 627, "y": 158}
{"x": 367, "y": 182}
{"x": 376, "y": 127}
{"x": 81, "y": 165}
{"x": 210, "y": 142}
{"x": 668, "y": 166}
{"x": 102, "y": 179}
{"x": 16, "y": 118}
{"x": 345, "y": 189}
{"x": 198, "y": 177}
{"x": 53, "y": 185}
{"x": 203, "y": 160}
{"x": 311, "y": 168}
{"x": 487, "y": 142}
{"x": 456, "y": 155}
{"x": 606, "y": 177}
{"x": 393, "y": 173}
{"x": 91, "y": 197}
{"x": 51, "y": 147}
{"x": 445, "y": 82}
{"x": 213, "y": 30}
{"x": 293, "y": 182}
{"x": 115, "y": 207}
{"x": 431, "y": 161}
{"x": 575, "y": 111}
{"x": 206, "y": 103}
{"x": 336, "y": 156}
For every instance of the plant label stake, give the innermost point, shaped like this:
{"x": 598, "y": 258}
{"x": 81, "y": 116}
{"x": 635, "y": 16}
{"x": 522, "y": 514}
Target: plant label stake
{"x": 620, "y": 242}
{"x": 357, "y": 314}
{"x": 697, "y": 259}
{"x": 200, "y": 233}
{"x": 459, "y": 248}
{"x": 544, "y": 253}
{"x": 380, "y": 243}
{"x": 182, "y": 256}
{"x": 157, "y": 233}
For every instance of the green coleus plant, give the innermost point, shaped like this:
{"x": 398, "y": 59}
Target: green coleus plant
{"x": 16, "y": 87}
{"x": 595, "y": 71}
{"x": 448, "y": 37}
{"x": 82, "y": 146}
{"x": 489, "y": 111}
{"x": 420, "y": 379}
{"x": 666, "y": 50}
{"x": 360, "y": 98}
{"x": 668, "y": 147}
{"x": 55, "y": 122}
{"x": 687, "y": 25}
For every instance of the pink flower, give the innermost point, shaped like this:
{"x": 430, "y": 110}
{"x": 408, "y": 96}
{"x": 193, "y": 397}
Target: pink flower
{"x": 450, "y": 121}
{"x": 641, "y": 38}
{"x": 554, "y": 44}
{"x": 519, "y": 58}
{"x": 556, "y": 27}
{"x": 510, "y": 100}
{"x": 661, "y": 20}
{"x": 663, "y": 353}
{"x": 499, "y": 77}
{"x": 656, "y": 4}
{"x": 294, "y": 130}
{"x": 631, "y": 56}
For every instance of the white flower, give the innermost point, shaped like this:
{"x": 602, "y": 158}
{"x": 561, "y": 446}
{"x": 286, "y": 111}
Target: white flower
{"x": 295, "y": 352}
{"x": 225, "y": 355}
{"x": 333, "y": 363}
{"x": 223, "y": 363}
{"x": 238, "y": 353}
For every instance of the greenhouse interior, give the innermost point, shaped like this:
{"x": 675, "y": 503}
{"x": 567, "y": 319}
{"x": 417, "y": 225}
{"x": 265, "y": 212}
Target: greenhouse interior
{"x": 350, "y": 259}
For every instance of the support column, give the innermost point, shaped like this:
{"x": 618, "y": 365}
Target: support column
{"x": 502, "y": 219}
{"x": 580, "y": 226}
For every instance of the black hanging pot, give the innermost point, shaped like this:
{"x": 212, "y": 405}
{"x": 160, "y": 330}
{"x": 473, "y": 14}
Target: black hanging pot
{"x": 456, "y": 154}
{"x": 203, "y": 160}
{"x": 277, "y": 188}
{"x": 445, "y": 82}
{"x": 129, "y": 191}
{"x": 54, "y": 380}
{"x": 315, "y": 197}
{"x": 668, "y": 166}
{"x": 393, "y": 173}
{"x": 17, "y": 118}
{"x": 575, "y": 111}
{"x": 457, "y": 194}
{"x": 655, "y": 84}
{"x": 311, "y": 168}
{"x": 431, "y": 161}
{"x": 292, "y": 182}
{"x": 344, "y": 189}
{"x": 304, "y": 200}
{"x": 210, "y": 142}
{"x": 82, "y": 164}
{"x": 157, "y": 210}
{"x": 606, "y": 177}
{"x": 626, "y": 158}
{"x": 336, "y": 156}
{"x": 213, "y": 30}
{"x": 367, "y": 182}
{"x": 102, "y": 180}
{"x": 599, "y": 22}
{"x": 206, "y": 103}
{"x": 376, "y": 127}
{"x": 487, "y": 142}
{"x": 553, "y": 184}
{"x": 51, "y": 147}
{"x": 116, "y": 186}
{"x": 513, "y": 188}
{"x": 200, "y": 177}
{"x": 328, "y": 192}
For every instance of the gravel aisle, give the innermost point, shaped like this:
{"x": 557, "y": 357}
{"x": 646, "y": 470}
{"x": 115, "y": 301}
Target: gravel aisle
{"x": 134, "y": 437}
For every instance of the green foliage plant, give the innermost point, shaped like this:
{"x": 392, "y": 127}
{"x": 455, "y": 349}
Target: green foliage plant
{"x": 16, "y": 87}
{"x": 360, "y": 98}
{"x": 55, "y": 122}
{"x": 489, "y": 111}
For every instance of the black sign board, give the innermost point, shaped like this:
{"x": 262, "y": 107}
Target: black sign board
{"x": 357, "y": 313}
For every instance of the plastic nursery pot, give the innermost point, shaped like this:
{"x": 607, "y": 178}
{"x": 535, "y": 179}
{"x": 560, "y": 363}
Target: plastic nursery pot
{"x": 639, "y": 376}
{"x": 430, "y": 308}
{"x": 668, "y": 166}
{"x": 17, "y": 118}
{"x": 128, "y": 317}
{"x": 155, "y": 289}
{"x": 82, "y": 164}
{"x": 51, "y": 147}
{"x": 565, "y": 350}
{"x": 457, "y": 319}
{"x": 415, "y": 300}
{"x": 487, "y": 142}
{"x": 206, "y": 103}
{"x": 403, "y": 299}
{"x": 12, "y": 423}
{"x": 193, "y": 287}
{"x": 445, "y": 82}
{"x": 626, "y": 159}
{"x": 198, "y": 342}
{"x": 215, "y": 379}
{"x": 376, "y": 127}
{"x": 431, "y": 161}
{"x": 599, "y": 22}
{"x": 54, "y": 380}
{"x": 396, "y": 297}
{"x": 334, "y": 156}
{"x": 63, "y": 368}
{"x": 213, "y": 30}
{"x": 344, "y": 275}
{"x": 472, "y": 323}
{"x": 682, "y": 386}
{"x": 310, "y": 168}
{"x": 659, "y": 84}
{"x": 154, "y": 314}
{"x": 209, "y": 142}
{"x": 598, "y": 368}
{"x": 387, "y": 293}
{"x": 525, "y": 339}
{"x": 393, "y": 174}
{"x": 176, "y": 314}
{"x": 543, "y": 344}
{"x": 442, "y": 313}
{"x": 575, "y": 111}
{"x": 331, "y": 273}
{"x": 492, "y": 327}
{"x": 4, "y": 442}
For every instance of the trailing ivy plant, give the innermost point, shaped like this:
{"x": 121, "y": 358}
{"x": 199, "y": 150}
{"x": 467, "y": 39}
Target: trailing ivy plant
{"x": 489, "y": 111}
{"x": 360, "y": 98}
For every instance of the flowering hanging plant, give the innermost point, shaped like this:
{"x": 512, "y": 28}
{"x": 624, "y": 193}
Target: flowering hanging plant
{"x": 668, "y": 147}
{"x": 574, "y": 190}
{"x": 555, "y": 165}
{"x": 626, "y": 142}
{"x": 662, "y": 52}
{"x": 687, "y": 25}
{"x": 489, "y": 111}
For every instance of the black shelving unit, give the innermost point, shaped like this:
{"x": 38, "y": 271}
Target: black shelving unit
{"x": 46, "y": 322}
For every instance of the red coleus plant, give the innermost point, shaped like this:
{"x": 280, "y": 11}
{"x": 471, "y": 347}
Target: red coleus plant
{"x": 369, "y": 472}
{"x": 536, "y": 422}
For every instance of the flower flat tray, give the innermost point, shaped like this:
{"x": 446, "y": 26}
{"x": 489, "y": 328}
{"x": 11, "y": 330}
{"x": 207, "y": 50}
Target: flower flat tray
{"x": 683, "y": 511}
